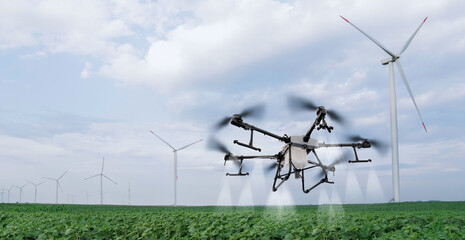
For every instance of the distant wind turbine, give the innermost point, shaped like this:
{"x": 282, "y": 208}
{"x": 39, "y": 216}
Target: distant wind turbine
{"x": 87, "y": 197}
{"x": 58, "y": 184}
{"x": 35, "y": 189}
{"x": 3, "y": 193}
{"x": 175, "y": 161}
{"x": 394, "y": 58}
{"x": 20, "y": 191}
{"x": 129, "y": 193}
{"x": 9, "y": 190}
{"x": 101, "y": 181}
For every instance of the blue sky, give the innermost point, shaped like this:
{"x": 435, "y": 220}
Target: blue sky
{"x": 83, "y": 80}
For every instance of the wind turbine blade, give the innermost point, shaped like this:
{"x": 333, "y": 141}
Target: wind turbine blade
{"x": 39, "y": 183}
{"x": 50, "y": 178}
{"x": 62, "y": 175}
{"x": 103, "y": 161}
{"x": 371, "y": 38}
{"x": 189, "y": 145}
{"x": 59, "y": 185}
{"x": 24, "y": 185}
{"x": 163, "y": 140}
{"x": 92, "y": 176}
{"x": 402, "y": 74}
{"x": 110, "y": 179}
{"x": 411, "y": 37}
{"x": 31, "y": 182}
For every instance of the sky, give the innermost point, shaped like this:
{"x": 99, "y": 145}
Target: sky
{"x": 83, "y": 80}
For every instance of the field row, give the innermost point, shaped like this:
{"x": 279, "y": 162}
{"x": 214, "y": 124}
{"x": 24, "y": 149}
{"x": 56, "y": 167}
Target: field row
{"x": 423, "y": 221}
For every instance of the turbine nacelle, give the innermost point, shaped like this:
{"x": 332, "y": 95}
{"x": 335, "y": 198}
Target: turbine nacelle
{"x": 388, "y": 60}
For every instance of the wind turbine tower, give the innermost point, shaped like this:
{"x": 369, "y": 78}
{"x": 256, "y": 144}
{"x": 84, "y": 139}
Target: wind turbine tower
{"x": 129, "y": 193}
{"x": 175, "y": 151}
{"x": 3, "y": 193}
{"x": 35, "y": 189}
{"x": 394, "y": 58}
{"x": 57, "y": 180}
{"x": 9, "y": 190}
{"x": 101, "y": 181}
{"x": 20, "y": 191}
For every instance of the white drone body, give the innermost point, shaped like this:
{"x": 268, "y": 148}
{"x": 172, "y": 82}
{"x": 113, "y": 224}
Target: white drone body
{"x": 298, "y": 151}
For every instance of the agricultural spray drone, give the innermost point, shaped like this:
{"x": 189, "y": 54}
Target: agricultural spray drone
{"x": 292, "y": 159}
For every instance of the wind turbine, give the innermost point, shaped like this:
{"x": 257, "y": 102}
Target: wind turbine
{"x": 58, "y": 184}
{"x": 3, "y": 193}
{"x": 20, "y": 191}
{"x": 9, "y": 190}
{"x": 87, "y": 197}
{"x": 175, "y": 151}
{"x": 101, "y": 181}
{"x": 35, "y": 189}
{"x": 394, "y": 58}
{"x": 129, "y": 193}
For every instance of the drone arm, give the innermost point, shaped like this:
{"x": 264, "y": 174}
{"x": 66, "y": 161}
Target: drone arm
{"x": 239, "y": 123}
{"x": 230, "y": 157}
{"x": 364, "y": 144}
{"x": 320, "y": 117}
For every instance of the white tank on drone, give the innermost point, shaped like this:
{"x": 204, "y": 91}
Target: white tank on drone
{"x": 298, "y": 153}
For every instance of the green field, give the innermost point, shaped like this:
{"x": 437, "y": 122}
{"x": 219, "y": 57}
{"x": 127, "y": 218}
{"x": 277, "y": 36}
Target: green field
{"x": 420, "y": 220}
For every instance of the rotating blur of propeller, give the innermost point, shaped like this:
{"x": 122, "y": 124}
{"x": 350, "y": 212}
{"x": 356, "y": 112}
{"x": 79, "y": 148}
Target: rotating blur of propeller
{"x": 297, "y": 103}
{"x": 216, "y": 145}
{"x": 331, "y": 167}
{"x": 270, "y": 168}
{"x": 251, "y": 112}
{"x": 378, "y": 145}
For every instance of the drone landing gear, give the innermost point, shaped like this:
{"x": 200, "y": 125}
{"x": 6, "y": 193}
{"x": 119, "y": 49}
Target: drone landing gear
{"x": 240, "y": 173}
{"x": 356, "y": 158}
{"x": 323, "y": 180}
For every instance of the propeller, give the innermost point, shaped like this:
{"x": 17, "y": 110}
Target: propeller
{"x": 216, "y": 145}
{"x": 339, "y": 160}
{"x": 271, "y": 167}
{"x": 252, "y": 112}
{"x": 297, "y": 103}
{"x": 378, "y": 145}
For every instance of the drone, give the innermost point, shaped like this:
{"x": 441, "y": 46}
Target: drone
{"x": 292, "y": 159}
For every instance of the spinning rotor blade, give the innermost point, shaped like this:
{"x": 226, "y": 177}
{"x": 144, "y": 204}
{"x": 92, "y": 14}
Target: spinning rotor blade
{"x": 188, "y": 145}
{"x": 109, "y": 179}
{"x": 411, "y": 37}
{"x": 169, "y": 145}
{"x": 222, "y": 123}
{"x": 335, "y": 116}
{"x": 59, "y": 185}
{"x": 92, "y": 176}
{"x": 378, "y": 145}
{"x": 298, "y": 103}
{"x": 215, "y": 144}
{"x": 253, "y": 112}
{"x": 271, "y": 167}
{"x": 50, "y": 178}
{"x": 371, "y": 38}
{"x": 410, "y": 91}
{"x": 339, "y": 160}
{"x": 301, "y": 104}
{"x": 62, "y": 175}
{"x": 103, "y": 162}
